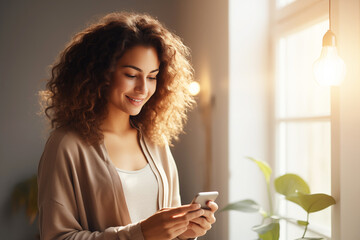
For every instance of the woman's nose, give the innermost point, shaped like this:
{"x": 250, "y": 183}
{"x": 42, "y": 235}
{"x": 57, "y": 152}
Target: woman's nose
{"x": 141, "y": 85}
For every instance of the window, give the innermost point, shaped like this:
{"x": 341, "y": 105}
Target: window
{"x": 283, "y": 3}
{"x": 302, "y": 112}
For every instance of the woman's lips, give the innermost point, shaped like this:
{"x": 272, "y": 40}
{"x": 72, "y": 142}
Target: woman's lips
{"x": 135, "y": 101}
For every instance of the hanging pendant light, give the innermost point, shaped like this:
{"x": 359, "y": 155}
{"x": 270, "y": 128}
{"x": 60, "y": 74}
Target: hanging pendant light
{"x": 329, "y": 68}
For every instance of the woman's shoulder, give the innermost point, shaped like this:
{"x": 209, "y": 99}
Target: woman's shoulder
{"x": 64, "y": 147}
{"x": 65, "y": 139}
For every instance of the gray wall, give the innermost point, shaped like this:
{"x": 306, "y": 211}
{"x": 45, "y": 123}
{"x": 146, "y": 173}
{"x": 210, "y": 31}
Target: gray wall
{"x": 31, "y": 35}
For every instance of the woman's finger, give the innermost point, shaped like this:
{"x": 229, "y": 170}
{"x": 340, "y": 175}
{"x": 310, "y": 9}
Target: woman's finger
{"x": 181, "y": 214}
{"x": 209, "y": 216}
{"x": 212, "y": 205}
{"x": 187, "y": 216}
{"x": 181, "y": 225}
{"x": 197, "y": 228}
{"x": 180, "y": 231}
{"x": 202, "y": 222}
{"x": 179, "y": 211}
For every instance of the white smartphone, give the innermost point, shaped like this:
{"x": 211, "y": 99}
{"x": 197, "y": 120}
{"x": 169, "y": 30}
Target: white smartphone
{"x": 203, "y": 197}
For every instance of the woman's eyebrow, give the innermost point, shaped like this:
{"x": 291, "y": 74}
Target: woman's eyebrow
{"x": 138, "y": 69}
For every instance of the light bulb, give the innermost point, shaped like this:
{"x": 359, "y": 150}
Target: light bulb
{"x": 194, "y": 88}
{"x": 329, "y": 68}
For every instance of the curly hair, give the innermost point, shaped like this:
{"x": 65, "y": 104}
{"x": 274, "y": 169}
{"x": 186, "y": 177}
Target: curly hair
{"x": 76, "y": 93}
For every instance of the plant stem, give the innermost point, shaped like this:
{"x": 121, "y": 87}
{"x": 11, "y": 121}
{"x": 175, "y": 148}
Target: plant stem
{"x": 270, "y": 199}
{"x": 307, "y": 221}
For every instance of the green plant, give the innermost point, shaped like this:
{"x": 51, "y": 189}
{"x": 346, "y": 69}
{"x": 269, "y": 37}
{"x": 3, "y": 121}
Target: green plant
{"x": 25, "y": 194}
{"x": 294, "y": 189}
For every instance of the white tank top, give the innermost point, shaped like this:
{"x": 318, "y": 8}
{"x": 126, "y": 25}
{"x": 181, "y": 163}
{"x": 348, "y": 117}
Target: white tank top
{"x": 141, "y": 192}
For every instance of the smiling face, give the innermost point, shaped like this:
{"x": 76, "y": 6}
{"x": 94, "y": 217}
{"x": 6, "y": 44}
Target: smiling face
{"x": 134, "y": 80}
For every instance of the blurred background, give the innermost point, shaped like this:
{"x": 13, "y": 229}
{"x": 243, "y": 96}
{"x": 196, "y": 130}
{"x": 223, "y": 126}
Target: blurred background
{"x": 258, "y": 97}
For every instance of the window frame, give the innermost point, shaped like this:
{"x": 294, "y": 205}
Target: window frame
{"x": 284, "y": 21}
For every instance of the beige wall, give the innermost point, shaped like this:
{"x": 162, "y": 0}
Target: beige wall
{"x": 208, "y": 39}
{"x": 346, "y": 125}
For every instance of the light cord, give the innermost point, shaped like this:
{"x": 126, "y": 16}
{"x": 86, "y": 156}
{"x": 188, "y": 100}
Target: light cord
{"x": 329, "y": 14}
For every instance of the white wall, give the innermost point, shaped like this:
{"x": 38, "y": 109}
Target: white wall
{"x": 248, "y": 108}
{"x": 346, "y": 168}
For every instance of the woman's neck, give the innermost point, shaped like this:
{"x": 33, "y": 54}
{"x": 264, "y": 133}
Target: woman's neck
{"x": 116, "y": 122}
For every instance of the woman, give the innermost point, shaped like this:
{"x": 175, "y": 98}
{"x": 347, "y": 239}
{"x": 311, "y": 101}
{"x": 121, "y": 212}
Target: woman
{"x": 116, "y": 97}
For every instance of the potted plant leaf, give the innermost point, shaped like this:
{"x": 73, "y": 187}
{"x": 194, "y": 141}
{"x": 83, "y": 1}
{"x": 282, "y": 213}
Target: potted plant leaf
{"x": 25, "y": 194}
{"x": 294, "y": 189}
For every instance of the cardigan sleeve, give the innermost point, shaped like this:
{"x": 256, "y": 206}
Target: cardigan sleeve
{"x": 59, "y": 210}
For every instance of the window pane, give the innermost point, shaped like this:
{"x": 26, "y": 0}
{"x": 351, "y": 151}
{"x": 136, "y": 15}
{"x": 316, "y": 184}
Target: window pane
{"x": 295, "y": 232}
{"x": 283, "y": 3}
{"x": 298, "y": 92}
{"x": 304, "y": 149}
{"x": 307, "y": 152}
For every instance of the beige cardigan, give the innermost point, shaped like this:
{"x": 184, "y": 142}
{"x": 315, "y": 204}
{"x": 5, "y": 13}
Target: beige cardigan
{"x": 80, "y": 192}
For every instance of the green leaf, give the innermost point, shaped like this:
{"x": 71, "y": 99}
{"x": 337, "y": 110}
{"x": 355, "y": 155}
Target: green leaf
{"x": 264, "y": 167}
{"x": 302, "y": 223}
{"x": 246, "y": 205}
{"x": 270, "y": 231}
{"x": 312, "y": 202}
{"x": 289, "y": 184}
{"x": 25, "y": 194}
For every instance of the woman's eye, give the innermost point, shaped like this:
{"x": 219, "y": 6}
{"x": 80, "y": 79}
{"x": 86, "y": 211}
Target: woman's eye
{"x": 129, "y": 75}
{"x": 152, "y": 78}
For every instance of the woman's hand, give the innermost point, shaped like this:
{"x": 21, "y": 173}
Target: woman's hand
{"x": 199, "y": 226}
{"x": 169, "y": 223}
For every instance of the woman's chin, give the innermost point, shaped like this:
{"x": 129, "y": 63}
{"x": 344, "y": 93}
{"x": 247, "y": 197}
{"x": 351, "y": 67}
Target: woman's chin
{"x": 134, "y": 113}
